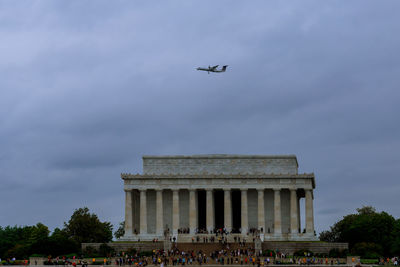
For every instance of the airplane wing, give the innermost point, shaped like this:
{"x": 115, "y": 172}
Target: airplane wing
{"x": 214, "y": 67}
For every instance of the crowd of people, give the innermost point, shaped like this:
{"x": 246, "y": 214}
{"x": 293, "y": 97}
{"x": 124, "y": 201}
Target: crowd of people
{"x": 225, "y": 256}
{"x": 184, "y": 231}
{"x": 216, "y": 231}
{"x": 220, "y": 239}
{"x": 176, "y": 257}
{"x": 223, "y": 231}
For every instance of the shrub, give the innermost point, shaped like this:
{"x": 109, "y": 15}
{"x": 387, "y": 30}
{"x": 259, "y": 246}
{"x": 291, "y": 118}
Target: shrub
{"x": 38, "y": 255}
{"x": 90, "y": 252}
{"x": 338, "y": 253}
{"x": 367, "y": 250}
{"x": 106, "y": 251}
{"x": 16, "y": 262}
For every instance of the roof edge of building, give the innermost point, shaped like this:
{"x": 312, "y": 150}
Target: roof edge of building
{"x": 223, "y": 156}
{"x": 217, "y": 156}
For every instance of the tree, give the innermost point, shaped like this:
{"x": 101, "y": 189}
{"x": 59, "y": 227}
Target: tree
{"x": 367, "y": 232}
{"x": 39, "y": 232}
{"x": 85, "y": 227}
{"x": 22, "y": 241}
{"x": 120, "y": 231}
{"x": 7, "y": 240}
{"x": 39, "y": 239}
{"x": 368, "y": 250}
{"x": 61, "y": 244}
{"x": 366, "y": 210}
{"x": 328, "y": 236}
{"x": 395, "y": 244}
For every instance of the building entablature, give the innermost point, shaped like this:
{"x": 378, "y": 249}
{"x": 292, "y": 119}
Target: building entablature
{"x": 242, "y": 181}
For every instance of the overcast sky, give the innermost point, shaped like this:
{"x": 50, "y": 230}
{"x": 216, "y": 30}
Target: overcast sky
{"x": 88, "y": 87}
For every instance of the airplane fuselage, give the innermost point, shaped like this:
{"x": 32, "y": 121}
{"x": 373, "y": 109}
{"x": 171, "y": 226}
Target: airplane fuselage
{"x": 213, "y": 69}
{"x": 210, "y": 70}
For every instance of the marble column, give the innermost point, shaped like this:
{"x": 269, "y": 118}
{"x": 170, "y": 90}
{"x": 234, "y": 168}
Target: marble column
{"x": 128, "y": 213}
{"x": 210, "y": 210}
{"x": 277, "y": 212}
{"x": 298, "y": 215}
{"x": 192, "y": 210}
{"x": 143, "y": 212}
{"x": 175, "y": 211}
{"x": 159, "y": 212}
{"x": 309, "y": 212}
{"x": 245, "y": 219}
{"x": 261, "y": 212}
{"x": 227, "y": 210}
{"x": 294, "y": 227}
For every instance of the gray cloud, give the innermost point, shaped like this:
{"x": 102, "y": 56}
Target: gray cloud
{"x": 87, "y": 88}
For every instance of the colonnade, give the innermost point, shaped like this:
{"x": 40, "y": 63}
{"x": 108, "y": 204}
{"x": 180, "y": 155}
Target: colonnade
{"x": 210, "y": 216}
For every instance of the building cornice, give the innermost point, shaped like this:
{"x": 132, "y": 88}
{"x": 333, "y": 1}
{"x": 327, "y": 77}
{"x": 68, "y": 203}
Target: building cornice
{"x": 205, "y": 175}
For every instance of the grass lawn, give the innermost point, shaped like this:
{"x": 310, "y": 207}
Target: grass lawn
{"x": 369, "y": 261}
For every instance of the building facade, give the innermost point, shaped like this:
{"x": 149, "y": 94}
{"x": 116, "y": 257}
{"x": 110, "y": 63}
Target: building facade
{"x": 187, "y": 196}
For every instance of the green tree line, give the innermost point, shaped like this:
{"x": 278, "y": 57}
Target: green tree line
{"x": 83, "y": 227}
{"x": 370, "y": 234}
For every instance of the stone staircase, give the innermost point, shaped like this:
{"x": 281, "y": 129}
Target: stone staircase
{"x": 207, "y": 248}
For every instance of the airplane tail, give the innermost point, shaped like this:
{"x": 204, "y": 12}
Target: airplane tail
{"x": 224, "y": 68}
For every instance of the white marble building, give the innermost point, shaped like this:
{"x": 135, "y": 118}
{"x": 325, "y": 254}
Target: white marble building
{"x": 199, "y": 193}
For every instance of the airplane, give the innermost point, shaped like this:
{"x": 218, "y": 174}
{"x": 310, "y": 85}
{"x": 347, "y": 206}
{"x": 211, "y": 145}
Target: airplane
{"x": 213, "y": 69}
